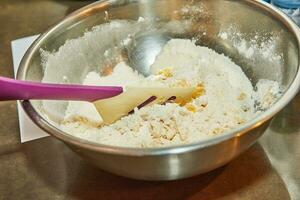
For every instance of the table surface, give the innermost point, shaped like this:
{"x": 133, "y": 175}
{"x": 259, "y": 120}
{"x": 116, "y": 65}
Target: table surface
{"x": 47, "y": 169}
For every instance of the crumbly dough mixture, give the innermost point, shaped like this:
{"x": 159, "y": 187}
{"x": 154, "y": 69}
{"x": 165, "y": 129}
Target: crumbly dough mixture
{"x": 228, "y": 100}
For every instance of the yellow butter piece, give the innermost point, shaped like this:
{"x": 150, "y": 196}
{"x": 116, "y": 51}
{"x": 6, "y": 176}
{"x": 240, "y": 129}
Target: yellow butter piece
{"x": 166, "y": 72}
{"x": 191, "y": 107}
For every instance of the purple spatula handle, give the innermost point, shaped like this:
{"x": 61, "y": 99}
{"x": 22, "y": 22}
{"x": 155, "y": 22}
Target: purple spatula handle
{"x": 11, "y": 89}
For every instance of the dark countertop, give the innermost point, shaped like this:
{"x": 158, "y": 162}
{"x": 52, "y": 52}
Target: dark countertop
{"x": 47, "y": 169}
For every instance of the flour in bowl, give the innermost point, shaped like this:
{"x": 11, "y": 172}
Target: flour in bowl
{"x": 228, "y": 100}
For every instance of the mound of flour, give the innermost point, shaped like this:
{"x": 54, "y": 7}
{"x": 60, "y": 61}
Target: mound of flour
{"x": 228, "y": 100}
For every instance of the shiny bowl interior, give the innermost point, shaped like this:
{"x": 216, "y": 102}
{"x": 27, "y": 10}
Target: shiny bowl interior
{"x": 254, "y": 20}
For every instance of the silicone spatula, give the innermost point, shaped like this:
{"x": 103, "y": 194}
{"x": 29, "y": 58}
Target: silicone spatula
{"x": 111, "y": 102}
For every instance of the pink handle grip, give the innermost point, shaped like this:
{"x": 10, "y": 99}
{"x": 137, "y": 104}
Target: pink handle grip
{"x": 11, "y": 89}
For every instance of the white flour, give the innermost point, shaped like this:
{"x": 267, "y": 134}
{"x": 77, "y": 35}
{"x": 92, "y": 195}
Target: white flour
{"x": 259, "y": 49}
{"x": 228, "y": 101}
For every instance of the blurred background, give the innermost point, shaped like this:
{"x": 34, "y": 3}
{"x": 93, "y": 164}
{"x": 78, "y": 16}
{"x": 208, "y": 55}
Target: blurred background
{"x": 290, "y": 7}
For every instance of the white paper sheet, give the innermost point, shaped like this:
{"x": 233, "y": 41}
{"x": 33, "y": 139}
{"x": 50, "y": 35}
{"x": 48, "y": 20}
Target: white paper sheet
{"x": 28, "y": 130}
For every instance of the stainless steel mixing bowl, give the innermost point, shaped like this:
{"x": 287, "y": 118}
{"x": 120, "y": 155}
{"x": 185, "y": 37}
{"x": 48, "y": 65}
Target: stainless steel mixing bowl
{"x": 208, "y": 18}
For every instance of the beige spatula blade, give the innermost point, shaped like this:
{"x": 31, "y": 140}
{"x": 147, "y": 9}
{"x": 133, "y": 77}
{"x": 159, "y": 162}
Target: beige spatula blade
{"x": 116, "y": 107}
